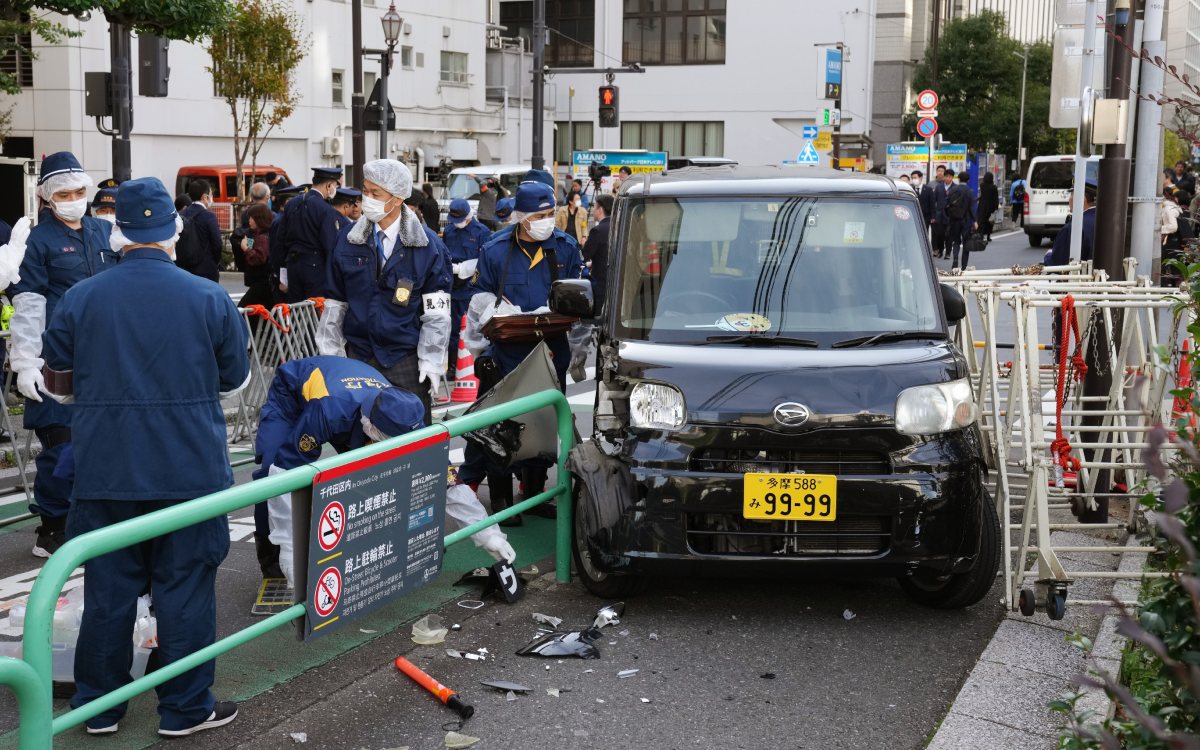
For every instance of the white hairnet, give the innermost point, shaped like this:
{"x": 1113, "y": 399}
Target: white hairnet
{"x": 63, "y": 181}
{"x": 390, "y": 175}
{"x": 118, "y": 241}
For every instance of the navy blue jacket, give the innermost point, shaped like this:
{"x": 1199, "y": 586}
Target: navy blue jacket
{"x": 1060, "y": 254}
{"x": 56, "y": 258}
{"x": 595, "y": 249}
{"x": 204, "y": 224}
{"x": 925, "y": 199}
{"x": 377, "y": 324}
{"x": 464, "y": 244}
{"x": 310, "y": 227}
{"x": 939, "y": 203}
{"x": 154, "y": 379}
{"x": 527, "y": 284}
{"x": 312, "y": 402}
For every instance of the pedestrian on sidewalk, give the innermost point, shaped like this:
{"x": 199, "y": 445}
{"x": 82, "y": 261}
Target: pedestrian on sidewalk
{"x": 206, "y": 262}
{"x": 940, "y": 221}
{"x": 989, "y": 204}
{"x": 1016, "y": 197}
{"x": 924, "y": 195}
{"x": 156, "y": 380}
{"x": 961, "y": 215}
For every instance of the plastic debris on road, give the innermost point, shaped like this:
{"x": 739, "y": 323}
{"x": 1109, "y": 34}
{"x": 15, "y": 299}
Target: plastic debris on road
{"x": 505, "y": 686}
{"x": 623, "y": 632}
{"x": 470, "y": 604}
{"x": 510, "y": 696}
{"x": 848, "y": 615}
{"x": 560, "y": 644}
{"x": 299, "y": 737}
{"x": 477, "y": 655}
{"x": 458, "y": 740}
{"x": 627, "y": 673}
{"x": 768, "y": 676}
{"x": 645, "y": 700}
{"x": 553, "y": 622}
{"x": 552, "y": 692}
{"x": 654, "y": 636}
{"x": 455, "y": 627}
{"x": 428, "y": 631}
{"x": 367, "y": 631}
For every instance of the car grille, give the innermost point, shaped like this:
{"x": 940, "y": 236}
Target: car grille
{"x": 788, "y": 461}
{"x": 727, "y": 534}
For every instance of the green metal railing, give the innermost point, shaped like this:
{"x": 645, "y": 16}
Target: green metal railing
{"x": 31, "y": 678}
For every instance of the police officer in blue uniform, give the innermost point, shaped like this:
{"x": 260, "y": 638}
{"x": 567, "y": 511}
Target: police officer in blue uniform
{"x": 388, "y": 301}
{"x": 464, "y": 236}
{"x": 348, "y": 203}
{"x": 309, "y": 231}
{"x": 520, "y": 266}
{"x": 346, "y": 404}
{"x": 104, "y": 204}
{"x": 156, "y": 381}
{"x": 504, "y": 209}
{"x": 66, "y": 247}
{"x": 1060, "y": 253}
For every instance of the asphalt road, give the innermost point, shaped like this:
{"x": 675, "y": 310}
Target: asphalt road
{"x": 881, "y": 679}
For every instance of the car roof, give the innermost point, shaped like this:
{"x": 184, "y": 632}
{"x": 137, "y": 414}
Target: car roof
{"x": 492, "y": 169}
{"x": 767, "y": 180}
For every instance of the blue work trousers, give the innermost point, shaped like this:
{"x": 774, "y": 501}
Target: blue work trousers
{"x": 51, "y": 493}
{"x": 180, "y": 570}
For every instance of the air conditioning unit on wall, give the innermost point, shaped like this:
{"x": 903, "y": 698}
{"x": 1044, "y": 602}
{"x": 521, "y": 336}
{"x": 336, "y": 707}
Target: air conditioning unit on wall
{"x": 333, "y": 146}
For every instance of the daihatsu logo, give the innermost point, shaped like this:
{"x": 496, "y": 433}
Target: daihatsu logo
{"x": 791, "y": 414}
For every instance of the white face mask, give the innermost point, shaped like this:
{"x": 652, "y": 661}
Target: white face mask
{"x": 462, "y": 224}
{"x": 110, "y": 218}
{"x": 374, "y": 209}
{"x": 540, "y": 229}
{"x": 71, "y": 210}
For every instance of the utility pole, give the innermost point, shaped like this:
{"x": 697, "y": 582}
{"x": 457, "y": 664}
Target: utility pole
{"x": 358, "y": 138}
{"x": 1143, "y": 240}
{"x": 122, "y": 100}
{"x": 934, "y": 32}
{"x": 1021, "y": 123}
{"x": 538, "y": 160}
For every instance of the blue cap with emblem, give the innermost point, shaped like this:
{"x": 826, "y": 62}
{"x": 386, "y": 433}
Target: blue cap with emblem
{"x": 395, "y": 412}
{"x": 58, "y": 163}
{"x": 504, "y": 208}
{"x": 345, "y": 195}
{"x": 533, "y": 197}
{"x": 538, "y": 175}
{"x": 325, "y": 174}
{"x": 105, "y": 198}
{"x": 459, "y": 209}
{"x": 145, "y": 211}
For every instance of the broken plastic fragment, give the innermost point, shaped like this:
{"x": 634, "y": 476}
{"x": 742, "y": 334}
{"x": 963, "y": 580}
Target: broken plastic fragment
{"x": 456, "y": 627}
{"x": 588, "y": 671}
{"x": 553, "y": 622}
{"x": 599, "y": 700}
{"x": 457, "y": 740}
{"x": 654, "y": 636}
{"x": 848, "y": 615}
{"x": 505, "y": 685}
{"x": 510, "y": 696}
{"x": 473, "y": 656}
{"x": 623, "y": 632}
{"x": 645, "y": 700}
{"x": 610, "y": 615}
{"x": 368, "y": 632}
{"x": 768, "y": 676}
{"x": 627, "y": 673}
{"x": 470, "y": 604}
{"x": 455, "y": 653}
{"x": 552, "y": 692}
{"x": 428, "y": 631}
{"x": 554, "y": 645}
{"x": 299, "y": 737}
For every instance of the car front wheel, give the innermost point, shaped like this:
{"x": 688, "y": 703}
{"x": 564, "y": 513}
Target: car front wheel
{"x": 962, "y": 589}
{"x": 603, "y": 584}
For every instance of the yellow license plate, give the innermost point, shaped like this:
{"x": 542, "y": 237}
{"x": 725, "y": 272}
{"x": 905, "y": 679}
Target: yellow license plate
{"x": 790, "y": 497}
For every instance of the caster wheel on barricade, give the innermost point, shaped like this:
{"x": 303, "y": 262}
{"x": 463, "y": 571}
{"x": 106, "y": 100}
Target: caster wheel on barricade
{"x": 1056, "y": 607}
{"x": 1027, "y": 602}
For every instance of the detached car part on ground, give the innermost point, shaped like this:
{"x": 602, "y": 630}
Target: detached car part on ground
{"x": 777, "y": 390}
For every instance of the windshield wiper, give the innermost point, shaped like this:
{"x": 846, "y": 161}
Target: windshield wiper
{"x": 888, "y": 336}
{"x": 754, "y": 338}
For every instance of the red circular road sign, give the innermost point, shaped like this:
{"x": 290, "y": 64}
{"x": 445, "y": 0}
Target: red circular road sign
{"x": 331, "y": 526}
{"x": 927, "y": 126}
{"x": 327, "y": 592}
{"x": 927, "y": 99}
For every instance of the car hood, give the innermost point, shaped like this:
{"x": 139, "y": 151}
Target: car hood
{"x": 744, "y": 385}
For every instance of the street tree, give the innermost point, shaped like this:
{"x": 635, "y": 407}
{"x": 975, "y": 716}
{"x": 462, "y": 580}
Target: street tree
{"x": 22, "y": 20}
{"x": 254, "y": 59}
{"x": 979, "y": 87}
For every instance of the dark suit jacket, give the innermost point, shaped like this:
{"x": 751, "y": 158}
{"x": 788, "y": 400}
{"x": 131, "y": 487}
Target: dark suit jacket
{"x": 925, "y": 198}
{"x": 204, "y": 224}
{"x": 596, "y": 250}
{"x": 939, "y": 203}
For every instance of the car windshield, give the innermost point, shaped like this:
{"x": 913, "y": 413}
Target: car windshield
{"x": 467, "y": 185}
{"x": 827, "y": 270}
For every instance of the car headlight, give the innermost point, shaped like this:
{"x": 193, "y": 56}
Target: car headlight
{"x": 939, "y": 407}
{"x": 656, "y": 406}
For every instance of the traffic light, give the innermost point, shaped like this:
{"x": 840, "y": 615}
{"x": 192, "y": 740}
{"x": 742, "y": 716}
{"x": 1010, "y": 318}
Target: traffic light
{"x": 610, "y": 113}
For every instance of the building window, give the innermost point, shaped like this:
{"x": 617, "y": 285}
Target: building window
{"x": 17, "y": 61}
{"x": 572, "y": 25}
{"x": 337, "y": 78}
{"x": 562, "y": 139}
{"x": 406, "y": 57}
{"x": 676, "y": 138}
{"x": 454, "y": 68}
{"x": 674, "y": 32}
{"x": 369, "y": 79}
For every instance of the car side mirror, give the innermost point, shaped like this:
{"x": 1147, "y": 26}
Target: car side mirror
{"x": 572, "y": 297}
{"x": 953, "y": 302}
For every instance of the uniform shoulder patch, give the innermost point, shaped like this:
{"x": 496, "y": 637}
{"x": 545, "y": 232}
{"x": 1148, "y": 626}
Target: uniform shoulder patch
{"x": 308, "y": 443}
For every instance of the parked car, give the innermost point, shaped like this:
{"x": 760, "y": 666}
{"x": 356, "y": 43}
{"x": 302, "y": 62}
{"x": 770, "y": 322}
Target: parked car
{"x": 777, "y": 391}
{"x": 1047, "y": 187}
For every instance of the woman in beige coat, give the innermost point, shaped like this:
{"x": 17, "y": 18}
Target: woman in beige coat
{"x": 572, "y": 219}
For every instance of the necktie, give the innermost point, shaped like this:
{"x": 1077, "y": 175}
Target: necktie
{"x": 379, "y": 238}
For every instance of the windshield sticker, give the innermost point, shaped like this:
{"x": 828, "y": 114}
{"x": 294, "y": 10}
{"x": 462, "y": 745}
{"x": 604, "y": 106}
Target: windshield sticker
{"x": 854, "y": 232}
{"x": 901, "y": 213}
{"x": 744, "y": 323}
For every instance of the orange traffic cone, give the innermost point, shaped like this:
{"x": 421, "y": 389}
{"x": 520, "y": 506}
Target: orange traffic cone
{"x": 1183, "y": 379}
{"x": 466, "y": 385}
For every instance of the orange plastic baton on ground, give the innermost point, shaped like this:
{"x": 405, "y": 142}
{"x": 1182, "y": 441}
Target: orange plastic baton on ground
{"x": 443, "y": 693}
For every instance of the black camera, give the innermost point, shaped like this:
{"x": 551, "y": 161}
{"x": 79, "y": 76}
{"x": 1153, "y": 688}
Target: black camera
{"x": 596, "y": 172}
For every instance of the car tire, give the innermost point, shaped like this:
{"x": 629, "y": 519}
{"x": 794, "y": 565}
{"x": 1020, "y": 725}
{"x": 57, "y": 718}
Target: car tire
{"x": 963, "y": 589}
{"x": 1035, "y": 240}
{"x": 602, "y": 584}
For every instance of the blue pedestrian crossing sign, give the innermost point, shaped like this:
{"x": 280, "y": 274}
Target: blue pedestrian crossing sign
{"x": 809, "y": 131}
{"x": 808, "y": 154}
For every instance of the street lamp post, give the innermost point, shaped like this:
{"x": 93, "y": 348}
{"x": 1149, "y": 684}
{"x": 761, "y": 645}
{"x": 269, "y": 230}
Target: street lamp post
{"x": 1021, "y": 122}
{"x": 392, "y": 25}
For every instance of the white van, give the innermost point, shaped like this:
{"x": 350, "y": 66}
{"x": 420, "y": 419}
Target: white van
{"x": 1047, "y": 187}
{"x": 465, "y": 182}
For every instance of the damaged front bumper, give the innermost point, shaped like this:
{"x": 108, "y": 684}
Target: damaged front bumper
{"x": 675, "y": 506}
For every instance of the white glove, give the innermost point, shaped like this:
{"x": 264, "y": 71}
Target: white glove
{"x": 499, "y": 548}
{"x": 331, "y": 341}
{"x": 29, "y": 382}
{"x": 13, "y": 253}
{"x": 435, "y": 378}
{"x": 466, "y": 269}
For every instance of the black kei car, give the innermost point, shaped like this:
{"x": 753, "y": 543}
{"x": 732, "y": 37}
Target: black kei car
{"x": 777, "y": 390}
